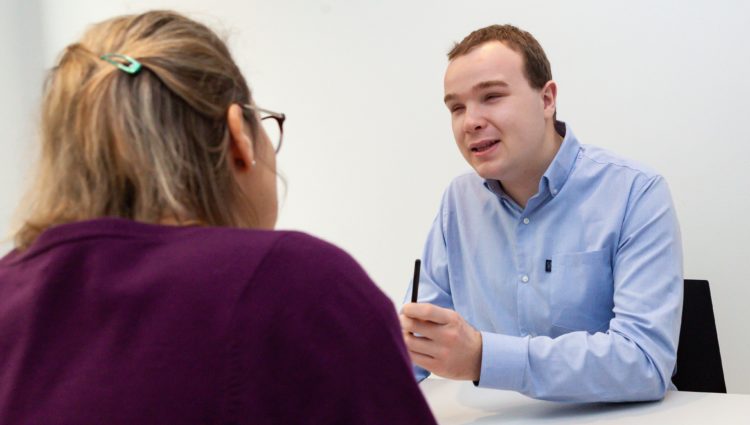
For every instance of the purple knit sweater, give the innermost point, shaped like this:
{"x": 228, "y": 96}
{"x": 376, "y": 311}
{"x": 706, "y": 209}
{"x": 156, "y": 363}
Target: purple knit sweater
{"x": 112, "y": 321}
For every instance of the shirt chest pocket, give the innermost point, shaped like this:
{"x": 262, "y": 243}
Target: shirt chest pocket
{"x": 581, "y": 291}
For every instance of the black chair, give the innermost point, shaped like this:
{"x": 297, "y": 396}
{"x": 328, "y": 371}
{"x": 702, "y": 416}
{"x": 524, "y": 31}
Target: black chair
{"x": 698, "y": 357}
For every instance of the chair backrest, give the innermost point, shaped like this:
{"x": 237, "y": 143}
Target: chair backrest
{"x": 698, "y": 357}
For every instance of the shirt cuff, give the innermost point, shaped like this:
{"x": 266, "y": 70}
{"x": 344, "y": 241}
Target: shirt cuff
{"x": 420, "y": 374}
{"x": 504, "y": 361}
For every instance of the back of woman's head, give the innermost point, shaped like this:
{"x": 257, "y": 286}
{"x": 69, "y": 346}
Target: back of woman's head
{"x": 147, "y": 146}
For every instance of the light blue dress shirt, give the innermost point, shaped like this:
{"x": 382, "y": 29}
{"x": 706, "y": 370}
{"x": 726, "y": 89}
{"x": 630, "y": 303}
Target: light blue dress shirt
{"x": 578, "y": 296}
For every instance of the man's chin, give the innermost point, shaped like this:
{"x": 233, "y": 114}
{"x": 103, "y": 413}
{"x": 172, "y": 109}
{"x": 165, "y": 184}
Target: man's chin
{"x": 487, "y": 173}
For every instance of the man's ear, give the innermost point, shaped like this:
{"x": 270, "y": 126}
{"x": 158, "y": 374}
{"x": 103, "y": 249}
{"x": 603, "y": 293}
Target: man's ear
{"x": 241, "y": 151}
{"x": 549, "y": 97}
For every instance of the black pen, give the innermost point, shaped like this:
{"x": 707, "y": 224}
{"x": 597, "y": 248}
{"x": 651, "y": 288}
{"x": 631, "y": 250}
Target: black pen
{"x": 415, "y": 285}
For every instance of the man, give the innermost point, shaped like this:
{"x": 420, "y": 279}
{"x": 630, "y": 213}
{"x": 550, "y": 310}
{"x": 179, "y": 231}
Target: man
{"x": 555, "y": 270}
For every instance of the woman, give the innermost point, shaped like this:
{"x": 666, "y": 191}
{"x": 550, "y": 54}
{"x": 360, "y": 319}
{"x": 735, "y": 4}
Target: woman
{"x": 147, "y": 285}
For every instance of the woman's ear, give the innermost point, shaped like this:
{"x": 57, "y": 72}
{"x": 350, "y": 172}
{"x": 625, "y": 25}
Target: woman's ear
{"x": 241, "y": 149}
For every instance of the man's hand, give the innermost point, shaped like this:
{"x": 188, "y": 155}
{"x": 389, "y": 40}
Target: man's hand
{"x": 446, "y": 346}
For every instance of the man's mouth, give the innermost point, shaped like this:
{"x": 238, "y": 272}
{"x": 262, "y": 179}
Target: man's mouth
{"x": 483, "y": 146}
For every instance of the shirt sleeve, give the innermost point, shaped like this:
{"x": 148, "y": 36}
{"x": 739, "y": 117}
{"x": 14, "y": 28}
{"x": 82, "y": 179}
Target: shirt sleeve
{"x": 633, "y": 360}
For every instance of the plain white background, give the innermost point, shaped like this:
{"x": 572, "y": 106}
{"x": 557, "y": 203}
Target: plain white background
{"x": 368, "y": 148}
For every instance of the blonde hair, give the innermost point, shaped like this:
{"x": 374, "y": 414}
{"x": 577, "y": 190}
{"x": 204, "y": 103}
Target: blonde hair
{"x": 144, "y": 146}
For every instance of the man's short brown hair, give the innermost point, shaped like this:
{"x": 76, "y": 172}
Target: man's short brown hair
{"x": 536, "y": 66}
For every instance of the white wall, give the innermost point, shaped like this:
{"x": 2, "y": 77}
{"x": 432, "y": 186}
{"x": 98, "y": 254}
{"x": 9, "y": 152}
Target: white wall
{"x": 20, "y": 77}
{"x": 368, "y": 148}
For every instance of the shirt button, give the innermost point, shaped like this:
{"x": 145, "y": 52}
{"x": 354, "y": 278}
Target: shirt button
{"x": 524, "y": 279}
{"x": 554, "y": 191}
{"x": 526, "y": 220}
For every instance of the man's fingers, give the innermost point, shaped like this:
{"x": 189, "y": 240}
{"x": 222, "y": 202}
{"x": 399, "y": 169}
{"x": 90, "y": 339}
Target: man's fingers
{"x": 422, "y": 360}
{"x": 428, "y": 312}
{"x": 445, "y": 344}
{"x": 420, "y": 345}
{"x": 415, "y": 326}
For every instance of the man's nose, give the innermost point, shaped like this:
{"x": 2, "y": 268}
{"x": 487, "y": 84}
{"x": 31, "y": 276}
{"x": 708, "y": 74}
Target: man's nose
{"x": 474, "y": 120}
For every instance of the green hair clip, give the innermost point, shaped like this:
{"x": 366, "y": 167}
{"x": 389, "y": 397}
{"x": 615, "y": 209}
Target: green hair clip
{"x": 131, "y": 66}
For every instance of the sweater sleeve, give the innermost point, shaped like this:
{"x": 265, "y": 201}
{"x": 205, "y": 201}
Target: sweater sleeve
{"x": 313, "y": 340}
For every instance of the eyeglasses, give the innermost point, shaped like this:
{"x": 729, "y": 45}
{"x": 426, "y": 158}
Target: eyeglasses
{"x": 273, "y": 124}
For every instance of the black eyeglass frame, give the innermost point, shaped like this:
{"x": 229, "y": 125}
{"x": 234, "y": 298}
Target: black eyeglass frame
{"x": 277, "y": 116}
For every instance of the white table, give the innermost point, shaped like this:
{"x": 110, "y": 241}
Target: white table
{"x": 459, "y": 402}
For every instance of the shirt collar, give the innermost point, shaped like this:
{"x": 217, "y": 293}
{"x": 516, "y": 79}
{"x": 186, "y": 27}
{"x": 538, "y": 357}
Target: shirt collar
{"x": 558, "y": 171}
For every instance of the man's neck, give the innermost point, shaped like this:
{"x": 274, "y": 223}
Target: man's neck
{"x": 527, "y": 185}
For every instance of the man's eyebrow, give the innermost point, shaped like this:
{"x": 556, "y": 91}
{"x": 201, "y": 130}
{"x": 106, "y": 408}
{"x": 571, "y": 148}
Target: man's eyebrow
{"x": 448, "y": 98}
{"x": 479, "y": 86}
{"x": 492, "y": 83}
